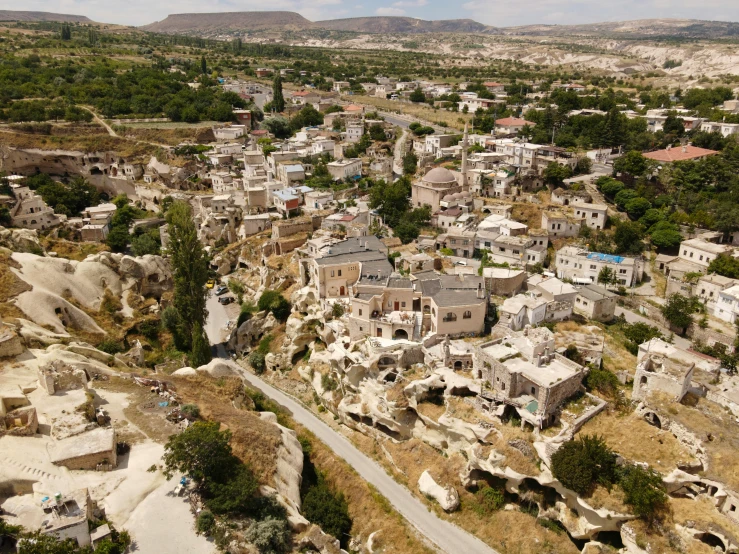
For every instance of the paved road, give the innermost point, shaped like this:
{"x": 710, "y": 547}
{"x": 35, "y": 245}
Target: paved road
{"x": 448, "y": 537}
{"x": 398, "y": 153}
{"x": 633, "y": 317}
{"x": 215, "y": 325}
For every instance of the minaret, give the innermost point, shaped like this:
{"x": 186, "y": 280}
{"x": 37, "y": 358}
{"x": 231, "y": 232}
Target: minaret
{"x": 464, "y": 158}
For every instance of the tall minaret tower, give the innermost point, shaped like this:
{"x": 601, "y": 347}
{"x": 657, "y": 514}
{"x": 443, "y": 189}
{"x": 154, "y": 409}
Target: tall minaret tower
{"x": 464, "y": 156}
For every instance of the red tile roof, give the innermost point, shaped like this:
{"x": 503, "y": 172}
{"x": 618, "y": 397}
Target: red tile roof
{"x": 303, "y": 93}
{"x": 492, "y": 84}
{"x": 512, "y": 121}
{"x": 353, "y": 108}
{"x": 679, "y": 154}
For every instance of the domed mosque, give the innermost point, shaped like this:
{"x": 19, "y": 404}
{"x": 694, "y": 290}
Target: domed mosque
{"x": 439, "y": 183}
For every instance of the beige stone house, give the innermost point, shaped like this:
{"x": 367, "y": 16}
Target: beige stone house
{"x": 523, "y": 370}
{"x": 30, "y": 210}
{"x": 337, "y": 267}
{"x": 427, "y": 303}
{"x": 595, "y": 302}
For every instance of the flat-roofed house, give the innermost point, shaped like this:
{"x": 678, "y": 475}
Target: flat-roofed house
{"x": 583, "y": 267}
{"x": 524, "y": 371}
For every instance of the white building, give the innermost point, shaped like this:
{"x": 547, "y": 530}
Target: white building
{"x": 354, "y": 132}
{"x": 581, "y": 266}
{"x": 593, "y": 215}
{"x": 702, "y": 252}
{"x": 727, "y": 306}
{"x": 30, "y": 210}
{"x": 348, "y": 168}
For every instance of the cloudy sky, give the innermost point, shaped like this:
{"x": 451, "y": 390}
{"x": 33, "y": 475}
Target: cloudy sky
{"x": 492, "y": 12}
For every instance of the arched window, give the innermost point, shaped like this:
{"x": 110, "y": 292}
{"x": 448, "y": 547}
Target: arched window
{"x": 467, "y": 315}
{"x": 450, "y": 316}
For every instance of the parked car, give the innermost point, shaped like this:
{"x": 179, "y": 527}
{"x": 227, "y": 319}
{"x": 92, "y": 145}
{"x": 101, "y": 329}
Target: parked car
{"x": 226, "y": 300}
{"x": 210, "y": 284}
{"x": 221, "y": 290}
{"x": 460, "y": 262}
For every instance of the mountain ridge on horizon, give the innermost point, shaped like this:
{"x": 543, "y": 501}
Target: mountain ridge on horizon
{"x": 210, "y": 23}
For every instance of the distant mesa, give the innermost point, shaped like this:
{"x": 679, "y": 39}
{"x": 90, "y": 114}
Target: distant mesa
{"x": 13, "y": 15}
{"x": 229, "y": 21}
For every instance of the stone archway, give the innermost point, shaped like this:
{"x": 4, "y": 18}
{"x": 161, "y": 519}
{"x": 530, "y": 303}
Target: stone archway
{"x": 400, "y": 334}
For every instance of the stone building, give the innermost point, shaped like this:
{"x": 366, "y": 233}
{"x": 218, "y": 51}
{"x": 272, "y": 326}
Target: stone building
{"x": 91, "y": 450}
{"x": 595, "y": 302}
{"x": 661, "y": 368}
{"x": 429, "y": 303}
{"x": 503, "y": 281}
{"x": 523, "y": 371}
{"x": 21, "y": 422}
{"x": 433, "y": 187}
{"x": 583, "y": 267}
{"x": 30, "y": 210}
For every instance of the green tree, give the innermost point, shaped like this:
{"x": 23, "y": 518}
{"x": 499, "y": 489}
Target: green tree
{"x": 144, "y": 244}
{"x": 273, "y": 301}
{"x": 118, "y": 238}
{"x": 581, "y": 464}
{"x": 278, "y": 126}
{"x": 234, "y": 494}
{"x": 205, "y": 523}
{"x": 606, "y": 276}
{"x": 725, "y": 265}
{"x": 410, "y": 163}
{"x": 202, "y": 452}
{"x": 637, "y": 207}
{"x": 632, "y": 165}
{"x": 200, "y": 353}
{"x": 190, "y": 270}
{"x": 278, "y": 100}
{"x": 664, "y": 234}
{"x": 203, "y": 66}
{"x": 678, "y": 310}
{"x": 644, "y": 491}
{"x": 376, "y": 132}
{"x": 628, "y": 237}
{"x": 555, "y": 174}
{"x": 328, "y": 510}
{"x": 257, "y": 361}
{"x": 417, "y": 95}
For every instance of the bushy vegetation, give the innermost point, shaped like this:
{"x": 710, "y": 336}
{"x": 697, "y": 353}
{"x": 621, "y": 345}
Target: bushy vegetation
{"x": 273, "y": 301}
{"x": 583, "y": 463}
{"x": 488, "y": 500}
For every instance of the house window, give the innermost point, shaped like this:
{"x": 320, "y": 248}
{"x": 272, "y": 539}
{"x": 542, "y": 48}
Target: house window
{"x": 533, "y": 391}
{"x": 360, "y": 311}
{"x": 450, "y": 316}
{"x": 467, "y": 315}
{"x": 332, "y": 273}
{"x": 339, "y": 273}
{"x": 402, "y": 304}
{"x": 592, "y": 266}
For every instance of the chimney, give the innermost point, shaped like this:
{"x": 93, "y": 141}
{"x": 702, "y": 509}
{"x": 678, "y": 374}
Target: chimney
{"x": 685, "y": 149}
{"x": 669, "y": 147}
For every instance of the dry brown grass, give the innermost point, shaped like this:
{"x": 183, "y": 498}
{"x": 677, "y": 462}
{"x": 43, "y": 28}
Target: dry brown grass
{"x": 254, "y": 441}
{"x": 10, "y": 287}
{"x": 370, "y": 511}
{"x": 96, "y": 143}
{"x": 613, "y": 500}
{"x": 705, "y": 515}
{"x": 168, "y": 136}
{"x": 530, "y": 214}
{"x": 431, "y": 410}
{"x": 715, "y": 426}
{"x": 73, "y": 250}
{"x": 635, "y": 439}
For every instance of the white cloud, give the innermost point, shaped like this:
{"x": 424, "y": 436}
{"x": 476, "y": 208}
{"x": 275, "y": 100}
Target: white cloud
{"x": 389, "y": 11}
{"x": 410, "y": 3}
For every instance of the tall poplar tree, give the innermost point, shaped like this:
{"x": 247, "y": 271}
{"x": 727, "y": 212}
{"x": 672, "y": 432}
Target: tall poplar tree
{"x": 278, "y": 100}
{"x": 190, "y": 270}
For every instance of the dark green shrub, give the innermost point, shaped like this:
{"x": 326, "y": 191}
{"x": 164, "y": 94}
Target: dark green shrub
{"x": 581, "y": 464}
{"x": 256, "y": 360}
{"x": 488, "y": 500}
{"x": 205, "y": 523}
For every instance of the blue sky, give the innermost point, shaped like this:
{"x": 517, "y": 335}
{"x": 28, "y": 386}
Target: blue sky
{"x": 492, "y": 12}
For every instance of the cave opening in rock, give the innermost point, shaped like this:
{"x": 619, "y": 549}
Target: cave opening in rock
{"x": 610, "y": 538}
{"x": 389, "y": 432}
{"x": 391, "y": 377}
{"x": 712, "y": 540}
{"x": 299, "y": 355}
{"x": 461, "y": 391}
{"x": 653, "y": 419}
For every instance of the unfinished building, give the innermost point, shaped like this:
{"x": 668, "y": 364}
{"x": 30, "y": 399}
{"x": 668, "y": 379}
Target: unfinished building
{"x": 523, "y": 370}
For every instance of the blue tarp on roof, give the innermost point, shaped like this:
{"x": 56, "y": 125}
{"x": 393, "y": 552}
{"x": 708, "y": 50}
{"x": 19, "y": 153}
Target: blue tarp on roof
{"x": 610, "y": 258}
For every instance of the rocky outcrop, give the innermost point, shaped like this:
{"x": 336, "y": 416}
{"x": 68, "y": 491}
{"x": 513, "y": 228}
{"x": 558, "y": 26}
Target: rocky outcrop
{"x": 20, "y": 240}
{"x": 447, "y": 497}
{"x": 247, "y": 335}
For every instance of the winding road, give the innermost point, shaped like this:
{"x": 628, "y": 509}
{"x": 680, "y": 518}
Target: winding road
{"x": 447, "y": 536}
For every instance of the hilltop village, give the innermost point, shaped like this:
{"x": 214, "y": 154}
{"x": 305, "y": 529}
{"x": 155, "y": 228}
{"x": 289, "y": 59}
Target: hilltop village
{"x": 534, "y": 337}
